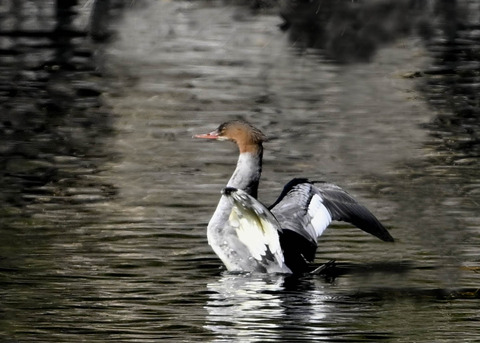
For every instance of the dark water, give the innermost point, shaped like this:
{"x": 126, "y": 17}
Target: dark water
{"x": 105, "y": 195}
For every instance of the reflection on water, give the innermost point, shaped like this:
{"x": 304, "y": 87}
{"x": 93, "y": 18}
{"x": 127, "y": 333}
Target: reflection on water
{"x": 240, "y": 304}
{"x": 274, "y": 307}
{"x": 105, "y": 196}
{"x": 308, "y": 308}
{"x": 352, "y": 31}
{"x": 451, "y": 84}
{"x": 52, "y": 127}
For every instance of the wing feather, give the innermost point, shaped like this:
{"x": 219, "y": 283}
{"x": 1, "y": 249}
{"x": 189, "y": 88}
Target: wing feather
{"x": 256, "y": 228}
{"x": 309, "y": 207}
{"x": 343, "y": 207}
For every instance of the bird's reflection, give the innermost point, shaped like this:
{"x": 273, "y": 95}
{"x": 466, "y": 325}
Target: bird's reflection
{"x": 249, "y": 307}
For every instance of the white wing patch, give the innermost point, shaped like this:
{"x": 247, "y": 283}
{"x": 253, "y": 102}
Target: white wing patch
{"x": 256, "y": 227}
{"x": 252, "y": 231}
{"x": 320, "y": 218}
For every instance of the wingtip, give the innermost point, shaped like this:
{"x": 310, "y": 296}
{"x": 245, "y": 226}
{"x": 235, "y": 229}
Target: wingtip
{"x": 383, "y": 234}
{"x": 389, "y": 239}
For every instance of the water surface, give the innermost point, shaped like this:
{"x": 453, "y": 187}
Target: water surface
{"x": 106, "y": 196}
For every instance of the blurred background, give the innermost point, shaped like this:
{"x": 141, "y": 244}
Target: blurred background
{"x": 105, "y": 196}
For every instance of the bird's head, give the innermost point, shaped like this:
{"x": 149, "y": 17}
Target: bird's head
{"x": 247, "y": 137}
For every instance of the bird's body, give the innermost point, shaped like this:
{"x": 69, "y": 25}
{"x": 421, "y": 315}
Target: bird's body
{"x": 248, "y": 237}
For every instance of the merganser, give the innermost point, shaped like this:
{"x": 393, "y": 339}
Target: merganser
{"x": 249, "y": 237}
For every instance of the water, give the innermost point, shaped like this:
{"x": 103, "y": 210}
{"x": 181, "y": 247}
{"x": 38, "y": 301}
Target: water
{"x": 106, "y": 196}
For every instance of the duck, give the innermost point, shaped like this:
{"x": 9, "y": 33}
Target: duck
{"x": 250, "y": 237}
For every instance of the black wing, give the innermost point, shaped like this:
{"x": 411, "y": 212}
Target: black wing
{"x": 305, "y": 209}
{"x": 309, "y": 207}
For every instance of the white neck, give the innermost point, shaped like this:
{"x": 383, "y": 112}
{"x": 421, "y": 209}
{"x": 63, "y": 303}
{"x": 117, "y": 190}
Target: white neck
{"x": 245, "y": 177}
{"x": 247, "y": 173}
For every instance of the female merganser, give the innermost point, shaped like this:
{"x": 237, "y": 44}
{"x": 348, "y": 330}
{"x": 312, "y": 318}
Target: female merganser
{"x": 248, "y": 237}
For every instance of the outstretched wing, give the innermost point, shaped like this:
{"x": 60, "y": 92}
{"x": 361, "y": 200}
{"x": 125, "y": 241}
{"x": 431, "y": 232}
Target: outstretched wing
{"x": 307, "y": 208}
{"x": 257, "y": 228}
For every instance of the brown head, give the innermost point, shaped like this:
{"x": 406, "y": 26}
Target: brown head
{"x": 247, "y": 137}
